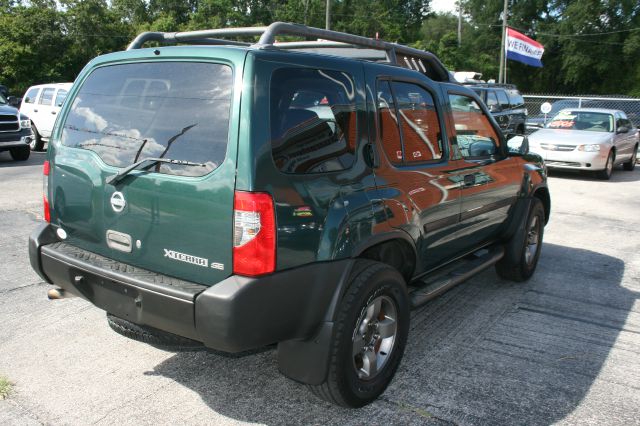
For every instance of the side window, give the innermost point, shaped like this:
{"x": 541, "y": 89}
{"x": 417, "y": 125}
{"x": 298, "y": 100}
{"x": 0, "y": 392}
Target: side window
{"x": 313, "y": 120}
{"x": 60, "y": 97}
{"x": 30, "y": 97}
{"x": 421, "y": 136}
{"x": 492, "y": 101}
{"x": 475, "y": 136}
{"x": 503, "y": 100}
{"x": 515, "y": 99}
{"x": 388, "y": 119}
{"x": 46, "y": 98}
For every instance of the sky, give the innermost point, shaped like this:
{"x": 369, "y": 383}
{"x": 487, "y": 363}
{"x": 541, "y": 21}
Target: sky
{"x": 443, "y": 5}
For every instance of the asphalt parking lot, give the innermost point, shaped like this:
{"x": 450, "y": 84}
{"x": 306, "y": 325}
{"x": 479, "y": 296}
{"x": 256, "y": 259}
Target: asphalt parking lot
{"x": 561, "y": 348}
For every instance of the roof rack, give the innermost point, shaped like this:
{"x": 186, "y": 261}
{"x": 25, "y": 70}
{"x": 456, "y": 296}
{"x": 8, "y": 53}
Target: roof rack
{"x": 501, "y": 85}
{"x": 397, "y": 54}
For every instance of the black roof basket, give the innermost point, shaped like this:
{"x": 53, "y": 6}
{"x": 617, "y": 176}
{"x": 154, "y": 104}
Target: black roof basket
{"x": 488, "y": 85}
{"x": 397, "y": 54}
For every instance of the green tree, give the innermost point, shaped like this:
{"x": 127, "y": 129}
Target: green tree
{"x": 32, "y": 42}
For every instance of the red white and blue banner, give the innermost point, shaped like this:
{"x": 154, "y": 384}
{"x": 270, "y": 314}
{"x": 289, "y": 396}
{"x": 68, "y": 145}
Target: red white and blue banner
{"x": 521, "y": 48}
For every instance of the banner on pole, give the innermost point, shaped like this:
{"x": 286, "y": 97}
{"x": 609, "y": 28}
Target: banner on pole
{"x": 521, "y": 48}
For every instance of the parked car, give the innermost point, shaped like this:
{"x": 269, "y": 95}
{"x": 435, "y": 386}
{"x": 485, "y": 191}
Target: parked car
{"x": 15, "y": 131}
{"x": 592, "y": 139}
{"x": 42, "y": 104}
{"x": 238, "y": 196}
{"x": 506, "y": 104}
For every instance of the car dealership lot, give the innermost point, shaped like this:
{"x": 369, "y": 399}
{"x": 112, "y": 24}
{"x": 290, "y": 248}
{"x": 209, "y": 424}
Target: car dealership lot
{"x": 563, "y": 347}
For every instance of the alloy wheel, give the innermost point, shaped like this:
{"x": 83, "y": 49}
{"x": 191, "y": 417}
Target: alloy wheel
{"x": 374, "y": 337}
{"x": 533, "y": 241}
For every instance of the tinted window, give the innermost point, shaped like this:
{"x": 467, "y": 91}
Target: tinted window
{"x": 388, "y": 122}
{"x": 60, "y": 97}
{"x": 503, "y": 100}
{"x": 421, "y": 135}
{"x": 474, "y": 133}
{"x": 46, "y": 98}
{"x": 492, "y": 100}
{"x": 515, "y": 98}
{"x": 176, "y": 110}
{"x": 313, "y": 120}
{"x": 31, "y": 95}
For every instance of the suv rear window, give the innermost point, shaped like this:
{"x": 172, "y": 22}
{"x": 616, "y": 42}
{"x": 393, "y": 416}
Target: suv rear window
{"x": 177, "y": 110}
{"x": 313, "y": 120}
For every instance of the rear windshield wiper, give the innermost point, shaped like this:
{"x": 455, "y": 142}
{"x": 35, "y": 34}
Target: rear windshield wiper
{"x": 145, "y": 164}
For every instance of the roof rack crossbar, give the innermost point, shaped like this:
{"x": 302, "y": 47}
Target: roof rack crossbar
{"x": 192, "y": 36}
{"x": 268, "y": 38}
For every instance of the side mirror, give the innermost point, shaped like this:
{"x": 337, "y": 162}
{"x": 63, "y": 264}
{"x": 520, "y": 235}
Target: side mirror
{"x": 517, "y": 144}
{"x": 13, "y": 101}
{"x": 623, "y": 129}
{"x": 494, "y": 108}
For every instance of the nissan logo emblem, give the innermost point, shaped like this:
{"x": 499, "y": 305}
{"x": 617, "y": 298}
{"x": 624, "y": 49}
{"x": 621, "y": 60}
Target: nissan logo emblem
{"x": 118, "y": 202}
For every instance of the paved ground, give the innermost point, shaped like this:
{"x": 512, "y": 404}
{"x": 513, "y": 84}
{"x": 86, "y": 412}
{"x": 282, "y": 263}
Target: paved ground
{"x": 562, "y": 348}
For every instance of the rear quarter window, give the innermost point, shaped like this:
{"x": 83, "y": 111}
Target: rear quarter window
{"x": 313, "y": 120}
{"x": 177, "y": 110}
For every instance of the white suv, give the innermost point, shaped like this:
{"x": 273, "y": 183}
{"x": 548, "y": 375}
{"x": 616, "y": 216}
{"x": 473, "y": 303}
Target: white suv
{"x": 42, "y": 104}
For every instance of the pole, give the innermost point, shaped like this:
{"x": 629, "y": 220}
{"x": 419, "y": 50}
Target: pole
{"x": 503, "y": 60}
{"x": 328, "y": 17}
{"x": 459, "y": 23}
{"x": 306, "y": 12}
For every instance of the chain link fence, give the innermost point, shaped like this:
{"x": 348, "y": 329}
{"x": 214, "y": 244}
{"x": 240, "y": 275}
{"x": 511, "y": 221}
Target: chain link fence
{"x": 536, "y": 119}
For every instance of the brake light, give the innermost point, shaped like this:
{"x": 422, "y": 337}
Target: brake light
{"x": 45, "y": 190}
{"x": 254, "y": 234}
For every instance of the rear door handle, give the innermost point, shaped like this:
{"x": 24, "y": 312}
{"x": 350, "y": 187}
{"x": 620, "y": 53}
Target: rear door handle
{"x": 53, "y": 112}
{"x": 35, "y": 110}
{"x": 469, "y": 180}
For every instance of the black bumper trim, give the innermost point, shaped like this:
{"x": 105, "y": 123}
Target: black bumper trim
{"x": 234, "y": 315}
{"x": 12, "y": 139}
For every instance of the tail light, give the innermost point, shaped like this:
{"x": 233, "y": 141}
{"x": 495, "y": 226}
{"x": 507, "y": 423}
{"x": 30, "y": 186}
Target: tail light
{"x": 254, "y": 234}
{"x": 45, "y": 190}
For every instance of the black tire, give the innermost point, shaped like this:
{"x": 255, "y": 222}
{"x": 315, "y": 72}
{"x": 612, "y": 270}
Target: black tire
{"x": 605, "y": 174}
{"x": 20, "y": 153}
{"x": 36, "y": 142}
{"x": 631, "y": 164}
{"x": 152, "y": 336}
{"x": 519, "y": 263}
{"x": 371, "y": 281}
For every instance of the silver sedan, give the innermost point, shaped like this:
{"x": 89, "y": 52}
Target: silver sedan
{"x": 587, "y": 139}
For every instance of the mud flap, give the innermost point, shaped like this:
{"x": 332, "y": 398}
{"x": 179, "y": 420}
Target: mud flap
{"x": 307, "y": 361}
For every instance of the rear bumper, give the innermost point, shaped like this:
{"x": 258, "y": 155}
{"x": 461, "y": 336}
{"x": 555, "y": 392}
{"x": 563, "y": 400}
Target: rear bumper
{"x": 236, "y": 314}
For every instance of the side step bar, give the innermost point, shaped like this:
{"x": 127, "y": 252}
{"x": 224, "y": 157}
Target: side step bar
{"x": 434, "y": 286}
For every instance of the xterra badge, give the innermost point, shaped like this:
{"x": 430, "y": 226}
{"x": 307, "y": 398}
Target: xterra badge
{"x": 182, "y": 257}
{"x": 194, "y": 260}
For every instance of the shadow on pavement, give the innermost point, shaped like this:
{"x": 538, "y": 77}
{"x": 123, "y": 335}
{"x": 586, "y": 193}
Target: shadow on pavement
{"x": 619, "y": 175}
{"x": 489, "y": 351}
{"x": 34, "y": 159}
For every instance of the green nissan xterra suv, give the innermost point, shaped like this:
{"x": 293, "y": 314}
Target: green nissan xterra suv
{"x": 231, "y": 195}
